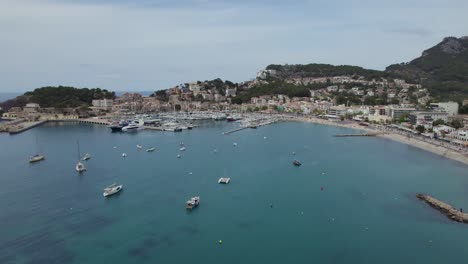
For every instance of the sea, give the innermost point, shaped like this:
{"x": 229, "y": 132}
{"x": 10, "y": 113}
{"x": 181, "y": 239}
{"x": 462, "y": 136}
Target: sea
{"x": 351, "y": 201}
{"x": 8, "y": 96}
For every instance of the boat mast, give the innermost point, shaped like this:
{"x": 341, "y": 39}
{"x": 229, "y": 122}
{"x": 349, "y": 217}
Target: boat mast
{"x": 78, "y": 145}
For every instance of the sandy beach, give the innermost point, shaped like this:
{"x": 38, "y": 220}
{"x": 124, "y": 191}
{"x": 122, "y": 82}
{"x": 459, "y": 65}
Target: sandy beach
{"x": 439, "y": 150}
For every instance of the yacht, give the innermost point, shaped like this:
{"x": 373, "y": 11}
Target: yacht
{"x": 139, "y": 146}
{"x": 151, "y": 149}
{"x": 117, "y": 126}
{"x": 86, "y": 157}
{"x": 36, "y": 158}
{"x": 134, "y": 126}
{"x": 112, "y": 189}
{"x": 193, "y": 202}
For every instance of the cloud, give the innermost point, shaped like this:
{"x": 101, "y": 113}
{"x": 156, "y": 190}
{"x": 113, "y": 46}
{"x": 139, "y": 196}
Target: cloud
{"x": 156, "y": 44}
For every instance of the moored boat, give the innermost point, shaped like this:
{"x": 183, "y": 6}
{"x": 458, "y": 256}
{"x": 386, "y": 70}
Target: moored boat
{"x": 297, "y": 163}
{"x": 80, "y": 167}
{"x": 36, "y": 158}
{"x": 151, "y": 149}
{"x": 192, "y": 203}
{"x": 86, "y": 157}
{"x": 224, "y": 180}
{"x": 112, "y": 189}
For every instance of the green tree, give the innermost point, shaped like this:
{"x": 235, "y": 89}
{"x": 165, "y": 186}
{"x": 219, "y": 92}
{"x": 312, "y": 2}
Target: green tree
{"x": 420, "y": 129}
{"x": 264, "y": 107}
{"x": 457, "y": 123}
{"x": 438, "y": 122}
{"x": 463, "y": 109}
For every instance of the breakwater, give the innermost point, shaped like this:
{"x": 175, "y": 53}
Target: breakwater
{"x": 444, "y": 208}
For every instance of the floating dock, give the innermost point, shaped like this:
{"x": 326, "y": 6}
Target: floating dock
{"x": 446, "y": 209}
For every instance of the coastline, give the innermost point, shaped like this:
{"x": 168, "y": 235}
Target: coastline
{"x": 441, "y": 151}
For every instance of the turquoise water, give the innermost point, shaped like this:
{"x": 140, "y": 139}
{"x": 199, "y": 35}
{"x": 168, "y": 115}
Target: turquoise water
{"x": 366, "y": 212}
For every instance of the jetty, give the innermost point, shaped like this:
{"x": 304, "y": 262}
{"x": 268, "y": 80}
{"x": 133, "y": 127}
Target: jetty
{"x": 444, "y": 208}
{"x": 358, "y": 135}
{"x": 95, "y": 121}
{"x": 17, "y": 128}
{"x": 251, "y": 124}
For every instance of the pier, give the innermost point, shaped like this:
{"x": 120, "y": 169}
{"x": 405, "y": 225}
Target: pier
{"x": 358, "y": 135}
{"x": 235, "y": 130}
{"x": 95, "y": 121}
{"x": 445, "y": 209}
{"x": 23, "y": 126}
{"x": 253, "y": 125}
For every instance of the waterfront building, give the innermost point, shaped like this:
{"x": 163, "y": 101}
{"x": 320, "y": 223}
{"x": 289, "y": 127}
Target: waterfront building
{"x": 450, "y": 107}
{"x": 337, "y": 111}
{"x": 31, "y": 108}
{"x": 396, "y": 112}
{"x": 427, "y": 118}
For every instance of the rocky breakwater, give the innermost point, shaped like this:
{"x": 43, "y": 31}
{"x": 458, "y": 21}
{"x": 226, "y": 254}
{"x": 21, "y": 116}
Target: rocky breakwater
{"x": 446, "y": 209}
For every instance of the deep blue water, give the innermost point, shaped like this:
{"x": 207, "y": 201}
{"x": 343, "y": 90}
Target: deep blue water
{"x": 366, "y": 212}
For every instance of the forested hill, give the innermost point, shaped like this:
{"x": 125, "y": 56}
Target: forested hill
{"x": 325, "y": 70}
{"x": 443, "y": 68}
{"x": 59, "y": 97}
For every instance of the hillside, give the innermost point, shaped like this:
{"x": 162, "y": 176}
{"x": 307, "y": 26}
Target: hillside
{"x": 59, "y": 97}
{"x": 443, "y": 68}
{"x": 325, "y": 70}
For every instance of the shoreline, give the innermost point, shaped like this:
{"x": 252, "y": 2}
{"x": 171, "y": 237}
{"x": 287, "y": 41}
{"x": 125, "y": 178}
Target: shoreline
{"x": 441, "y": 151}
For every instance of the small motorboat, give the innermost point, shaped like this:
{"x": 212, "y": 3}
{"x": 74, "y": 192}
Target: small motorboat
{"x": 224, "y": 180}
{"x": 80, "y": 167}
{"x": 124, "y": 155}
{"x": 179, "y": 156}
{"x": 192, "y": 203}
{"x": 182, "y": 148}
{"x": 151, "y": 149}
{"x": 86, "y": 157}
{"x": 139, "y": 146}
{"x": 112, "y": 189}
{"x": 234, "y": 144}
{"x": 36, "y": 158}
{"x": 297, "y": 163}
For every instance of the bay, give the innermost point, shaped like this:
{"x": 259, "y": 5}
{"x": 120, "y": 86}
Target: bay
{"x": 352, "y": 200}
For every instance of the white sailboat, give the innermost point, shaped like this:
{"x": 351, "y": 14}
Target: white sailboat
{"x": 37, "y": 157}
{"x": 80, "y": 167}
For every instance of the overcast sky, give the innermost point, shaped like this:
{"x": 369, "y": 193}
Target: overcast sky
{"x": 150, "y": 45}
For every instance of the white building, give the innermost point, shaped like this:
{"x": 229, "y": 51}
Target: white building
{"x": 104, "y": 104}
{"x": 231, "y": 92}
{"x": 461, "y": 135}
{"x": 396, "y": 112}
{"x": 195, "y": 88}
{"x": 450, "y": 107}
{"x": 427, "y": 118}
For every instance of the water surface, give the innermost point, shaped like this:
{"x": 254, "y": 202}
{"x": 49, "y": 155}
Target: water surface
{"x": 352, "y": 200}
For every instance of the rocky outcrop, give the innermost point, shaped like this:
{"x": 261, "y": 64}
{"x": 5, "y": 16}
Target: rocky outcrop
{"x": 444, "y": 208}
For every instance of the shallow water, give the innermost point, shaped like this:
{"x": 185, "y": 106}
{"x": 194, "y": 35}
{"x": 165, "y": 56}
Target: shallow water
{"x": 366, "y": 212}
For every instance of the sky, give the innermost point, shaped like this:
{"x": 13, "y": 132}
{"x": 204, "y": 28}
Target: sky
{"x": 141, "y": 45}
